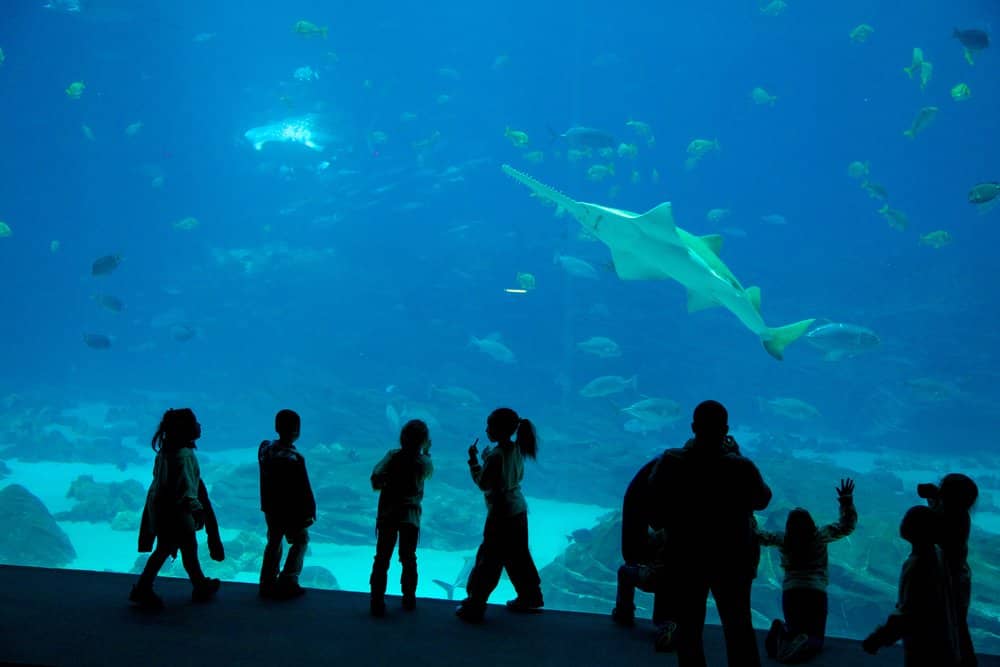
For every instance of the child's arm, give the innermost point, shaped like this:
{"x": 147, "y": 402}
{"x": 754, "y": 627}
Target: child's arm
{"x": 844, "y": 526}
{"x": 310, "y": 499}
{"x": 379, "y": 473}
{"x": 428, "y": 465}
{"x": 909, "y": 604}
{"x": 187, "y": 484}
{"x": 769, "y": 539}
{"x": 484, "y": 475}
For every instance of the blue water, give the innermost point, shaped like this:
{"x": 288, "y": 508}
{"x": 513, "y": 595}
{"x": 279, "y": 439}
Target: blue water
{"x": 377, "y": 284}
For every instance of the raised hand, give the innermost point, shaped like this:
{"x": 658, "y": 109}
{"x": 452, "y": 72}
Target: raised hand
{"x": 846, "y": 488}
{"x": 474, "y": 451}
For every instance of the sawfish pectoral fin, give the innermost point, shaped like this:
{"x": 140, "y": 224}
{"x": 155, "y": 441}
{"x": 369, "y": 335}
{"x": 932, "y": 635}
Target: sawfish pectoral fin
{"x": 698, "y": 301}
{"x": 777, "y": 339}
{"x": 714, "y": 243}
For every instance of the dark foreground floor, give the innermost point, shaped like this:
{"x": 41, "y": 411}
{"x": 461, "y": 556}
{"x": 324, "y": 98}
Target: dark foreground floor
{"x": 59, "y": 617}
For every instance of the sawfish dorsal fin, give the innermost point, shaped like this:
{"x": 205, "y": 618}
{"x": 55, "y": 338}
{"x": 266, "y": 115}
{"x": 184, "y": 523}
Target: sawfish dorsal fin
{"x": 714, "y": 243}
{"x": 753, "y": 293}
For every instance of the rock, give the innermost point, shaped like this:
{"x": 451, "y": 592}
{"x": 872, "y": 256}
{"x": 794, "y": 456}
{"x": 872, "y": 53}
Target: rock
{"x": 126, "y": 521}
{"x": 102, "y": 501}
{"x": 315, "y": 576}
{"x": 29, "y": 535}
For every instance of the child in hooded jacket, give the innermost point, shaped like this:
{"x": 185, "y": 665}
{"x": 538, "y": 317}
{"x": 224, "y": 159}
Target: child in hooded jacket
{"x": 399, "y": 478}
{"x": 173, "y": 511}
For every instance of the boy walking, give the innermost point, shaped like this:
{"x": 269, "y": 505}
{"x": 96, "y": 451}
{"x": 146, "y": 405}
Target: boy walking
{"x": 286, "y": 498}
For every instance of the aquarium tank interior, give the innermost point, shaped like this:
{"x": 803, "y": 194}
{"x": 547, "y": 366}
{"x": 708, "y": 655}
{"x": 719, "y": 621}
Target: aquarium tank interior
{"x": 597, "y": 214}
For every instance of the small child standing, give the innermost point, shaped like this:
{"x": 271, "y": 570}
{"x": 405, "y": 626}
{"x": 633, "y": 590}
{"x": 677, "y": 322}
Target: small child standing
{"x": 286, "y": 498}
{"x": 505, "y": 535}
{"x": 925, "y": 613}
{"x": 951, "y": 501}
{"x": 399, "y": 477}
{"x": 805, "y": 562}
{"x": 173, "y": 512}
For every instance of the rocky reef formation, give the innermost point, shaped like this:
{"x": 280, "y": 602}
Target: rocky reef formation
{"x": 29, "y": 535}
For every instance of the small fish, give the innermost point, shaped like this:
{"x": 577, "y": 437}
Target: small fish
{"x": 896, "y": 218}
{"x": 600, "y": 346}
{"x": 937, "y": 239}
{"x": 307, "y": 29}
{"x": 983, "y": 193}
{"x": 587, "y": 137}
{"x": 108, "y": 302}
{"x": 761, "y": 97}
{"x": 182, "y": 333}
{"x": 792, "y": 408}
{"x": 838, "y": 340}
{"x": 492, "y": 347}
{"x": 923, "y": 119}
{"x": 5, "y": 230}
{"x": 774, "y": 8}
{"x": 599, "y": 172}
{"x": 186, "y": 224}
{"x": 875, "y": 190}
{"x": 858, "y": 169}
{"x": 717, "y": 215}
{"x": 133, "y": 128}
{"x": 861, "y": 33}
{"x": 774, "y": 219}
{"x": 961, "y": 92}
{"x": 525, "y": 281}
{"x": 576, "y": 266}
{"x": 973, "y": 41}
{"x": 97, "y": 341}
{"x": 607, "y": 385}
{"x": 75, "y": 90}
{"x": 655, "y": 411}
{"x": 459, "y": 395}
{"x": 103, "y": 266}
{"x": 517, "y": 137}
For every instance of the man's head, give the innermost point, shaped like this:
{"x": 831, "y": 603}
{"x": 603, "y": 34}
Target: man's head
{"x": 711, "y": 421}
{"x": 287, "y": 424}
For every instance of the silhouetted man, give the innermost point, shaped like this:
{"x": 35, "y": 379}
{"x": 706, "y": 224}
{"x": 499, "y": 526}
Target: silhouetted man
{"x": 704, "y": 495}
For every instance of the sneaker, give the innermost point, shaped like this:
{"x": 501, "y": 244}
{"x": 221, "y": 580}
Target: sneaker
{"x": 409, "y": 602}
{"x": 794, "y": 649}
{"x": 623, "y": 618}
{"x": 289, "y": 588}
{"x": 205, "y": 590}
{"x": 526, "y": 605}
{"x": 377, "y": 607}
{"x": 772, "y": 644}
{"x": 470, "y": 613}
{"x": 145, "y": 598}
{"x": 665, "y": 637}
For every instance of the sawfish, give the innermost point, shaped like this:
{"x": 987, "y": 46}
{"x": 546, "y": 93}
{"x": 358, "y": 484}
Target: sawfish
{"x": 650, "y": 246}
{"x": 301, "y": 130}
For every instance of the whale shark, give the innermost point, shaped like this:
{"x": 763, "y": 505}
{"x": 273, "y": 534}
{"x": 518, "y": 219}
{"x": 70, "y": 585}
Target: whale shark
{"x": 650, "y": 246}
{"x": 301, "y": 130}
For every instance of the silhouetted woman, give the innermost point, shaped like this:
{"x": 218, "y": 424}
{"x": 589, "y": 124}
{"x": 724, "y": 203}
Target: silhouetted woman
{"x": 505, "y": 535}
{"x": 173, "y": 510}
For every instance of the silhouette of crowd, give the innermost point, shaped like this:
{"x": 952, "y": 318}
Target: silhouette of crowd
{"x": 688, "y": 529}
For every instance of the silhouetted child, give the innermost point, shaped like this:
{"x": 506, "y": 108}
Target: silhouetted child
{"x": 505, "y": 535}
{"x": 925, "y": 613}
{"x": 805, "y": 562}
{"x": 951, "y": 502}
{"x": 286, "y": 498}
{"x": 400, "y": 476}
{"x": 173, "y": 512}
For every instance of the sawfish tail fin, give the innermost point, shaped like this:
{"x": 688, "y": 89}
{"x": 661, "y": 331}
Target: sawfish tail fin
{"x": 779, "y": 338}
{"x": 448, "y": 588}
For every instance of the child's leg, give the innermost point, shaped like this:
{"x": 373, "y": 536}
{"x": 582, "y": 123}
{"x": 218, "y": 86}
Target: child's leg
{"x": 805, "y": 615}
{"x": 272, "y": 554}
{"x": 408, "y": 535}
{"x": 154, "y": 563}
{"x": 519, "y": 563}
{"x": 384, "y": 546}
{"x": 299, "y": 541}
{"x": 485, "y": 574}
{"x": 189, "y": 556}
{"x": 628, "y": 577}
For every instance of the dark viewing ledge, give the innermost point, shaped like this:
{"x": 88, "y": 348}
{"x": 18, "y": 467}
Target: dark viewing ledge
{"x": 66, "y": 617}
